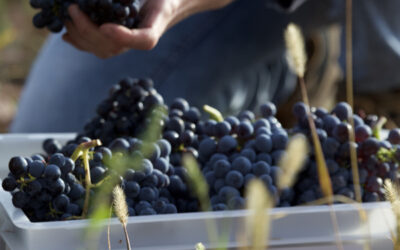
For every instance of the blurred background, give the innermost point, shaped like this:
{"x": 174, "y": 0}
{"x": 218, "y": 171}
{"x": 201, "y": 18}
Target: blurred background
{"x": 19, "y": 44}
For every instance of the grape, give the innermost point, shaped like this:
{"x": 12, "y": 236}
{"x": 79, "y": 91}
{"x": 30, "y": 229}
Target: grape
{"x": 342, "y": 110}
{"x": 18, "y": 166}
{"x": 261, "y": 168}
{"x": 147, "y": 194}
{"x": 221, "y": 168}
{"x": 36, "y": 168}
{"x": 249, "y": 154}
{"x": 20, "y": 199}
{"x": 227, "y": 144}
{"x": 233, "y": 121}
{"x": 52, "y": 172}
{"x": 227, "y": 192}
{"x": 181, "y": 104}
{"x": 51, "y": 146}
{"x": 341, "y": 132}
{"x": 279, "y": 140}
{"x": 33, "y": 187}
{"x": 330, "y": 122}
{"x": 394, "y": 136}
{"x": 362, "y": 132}
{"x": 165, "y": 147}
{"x": 234, "y": 178}
{"x": 262, "y": 123}
{"x": 61, "y": 203}
{"x": 245, "y": 130}
{"x": 370, "y": 146}
{"x": 268, "y": 109}
{"x": 9, "y": 183}
{"x": 207, "y": 147}
{"x": 97, "y": 174}
{"x": 246, "y": 115}
{"x": 222, "y": 129}
{"x": 241, "y": 164}
{"x": 263, "y": 143}
{"x": 300, "y": 110}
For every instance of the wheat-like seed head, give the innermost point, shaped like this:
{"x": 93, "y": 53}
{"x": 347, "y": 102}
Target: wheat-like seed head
{"x": 295, "y": 45}
{"x": 392, "y": 195}
{"x": 119, "y": 203}
{"x": 293, "y": 161}
{"x": 258, "y": 222}
{"x": 200, "y": 246}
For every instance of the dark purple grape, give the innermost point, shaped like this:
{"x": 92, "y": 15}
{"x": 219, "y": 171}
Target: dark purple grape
{"x": 245, "y": 130}
{"x": 9, "y": 183}
{"x": 221, "y": 168}
{"x": 51, "y": 146}
{"x": 373, "y": 184}
{"x": 394, "y": 136}
{"x": 268, "y": 109}
{"x": 343, "y": 111}
{"x": 18, "y": 166}
{"x": 260, "y": 168}
{"x": 227, "y": 144}
{"x": 263, "y": 143}
{"x": 52, "y": 172}
{"x": 300, "y": 110}
{"x": 362, "y": 133}
{"x": 234, "y": 178}
{"x": 341, "y": 132}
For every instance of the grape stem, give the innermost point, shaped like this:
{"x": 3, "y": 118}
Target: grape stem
{"x": 376, "y": 131}
{"x": 214, "y": 113}
{"x": 88, "y": 182}
{"x": 83, "y": 151}
{"x": 83, "y": 146}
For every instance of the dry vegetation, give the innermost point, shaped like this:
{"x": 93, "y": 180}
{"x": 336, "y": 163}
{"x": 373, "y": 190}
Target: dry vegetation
{"x": 19, "y": 43}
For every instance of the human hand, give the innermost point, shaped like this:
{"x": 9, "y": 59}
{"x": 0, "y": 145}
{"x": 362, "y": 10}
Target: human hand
{"x": 109, "y": 40}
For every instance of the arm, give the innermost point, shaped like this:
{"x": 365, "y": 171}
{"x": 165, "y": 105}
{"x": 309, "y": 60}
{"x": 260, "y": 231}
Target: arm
{"x": 111, "y": 39}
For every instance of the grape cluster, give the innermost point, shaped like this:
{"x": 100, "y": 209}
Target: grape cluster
{"x": 53, "y": 187}
{"x": 53, "y": 13}
{"x": 125, "y": 112}
{"x": 376, "y": 159}
{"x": 45, "y": 190}
{"x": 240, "y": 149}
{"x": 231, "y": 152}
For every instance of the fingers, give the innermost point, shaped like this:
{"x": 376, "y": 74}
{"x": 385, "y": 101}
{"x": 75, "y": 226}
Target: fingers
{"x": 141, "y": 39}
{"x": 83, "y": 24}
{"x": 75, "y": 37}
{"x": 85, "y": 35}
{"x": 145, "y": 37}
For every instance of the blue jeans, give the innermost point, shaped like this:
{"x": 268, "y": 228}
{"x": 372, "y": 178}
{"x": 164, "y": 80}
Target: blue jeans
{"x": 232, "y": 59}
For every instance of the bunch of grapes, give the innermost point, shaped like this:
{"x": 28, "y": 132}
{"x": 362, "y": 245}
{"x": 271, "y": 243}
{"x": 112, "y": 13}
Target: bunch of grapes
{"x": 376, "y": 159}
{"x": 125, "y": 112}
{"x": 239, "y": 149}
{"x": 53, "y": 13}
{"x": 45, "y": 190}
{"x": 231, "y": 152}
{"x": 53, "y": 187}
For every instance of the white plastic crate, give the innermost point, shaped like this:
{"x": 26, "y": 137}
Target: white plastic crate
{"x": 292, "y": 228}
